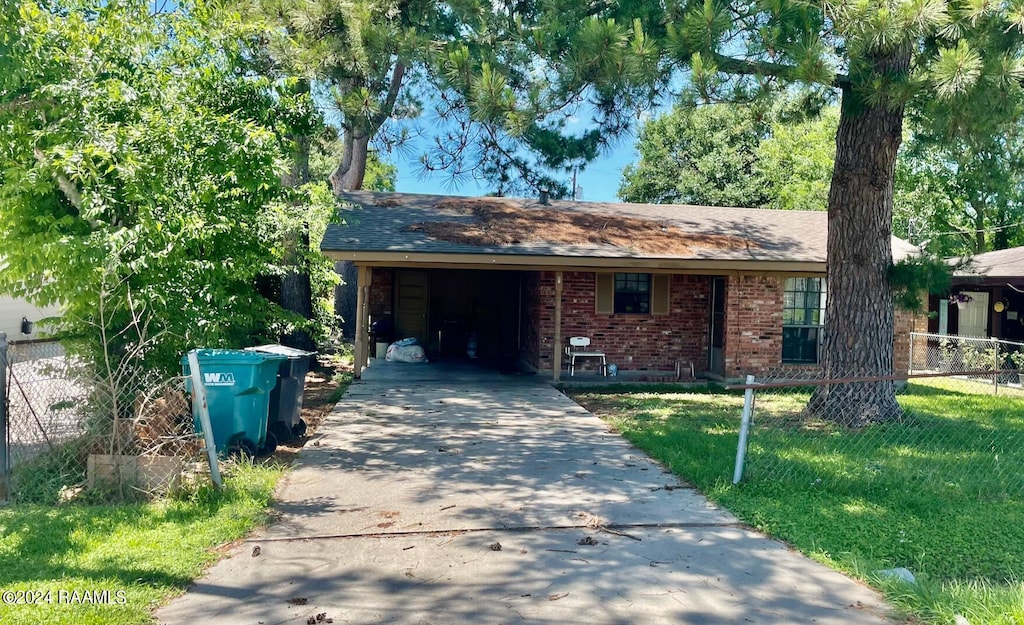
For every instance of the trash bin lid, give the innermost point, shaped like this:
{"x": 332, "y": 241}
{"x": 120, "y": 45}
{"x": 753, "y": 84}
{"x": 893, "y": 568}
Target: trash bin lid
{"x": 280, "y": 350}
{"x": 232, "y": 357}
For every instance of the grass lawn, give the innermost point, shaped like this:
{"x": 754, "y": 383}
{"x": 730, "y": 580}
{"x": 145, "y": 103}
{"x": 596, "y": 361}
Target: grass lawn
{"x": 940, "y": 494}
{"x": 148, "y": 550}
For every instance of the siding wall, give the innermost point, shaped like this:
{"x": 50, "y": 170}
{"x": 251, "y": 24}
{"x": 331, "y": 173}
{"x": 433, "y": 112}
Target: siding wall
{"x": 11, "y": 312}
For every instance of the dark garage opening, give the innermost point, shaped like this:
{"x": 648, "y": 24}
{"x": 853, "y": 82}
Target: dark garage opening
{"x": 446, "y": 309}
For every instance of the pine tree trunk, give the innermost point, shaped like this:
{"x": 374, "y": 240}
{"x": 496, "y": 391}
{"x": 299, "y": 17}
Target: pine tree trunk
{"x": 352, "y": 170}
{"x": 859, "y": 310}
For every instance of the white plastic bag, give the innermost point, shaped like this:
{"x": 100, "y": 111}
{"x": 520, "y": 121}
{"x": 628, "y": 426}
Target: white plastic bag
{"x": 406, "y": 350}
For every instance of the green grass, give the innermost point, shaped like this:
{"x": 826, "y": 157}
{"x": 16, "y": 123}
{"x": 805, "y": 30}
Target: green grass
{"x": 148, "y": 550}
{"x": 939, "y": 494}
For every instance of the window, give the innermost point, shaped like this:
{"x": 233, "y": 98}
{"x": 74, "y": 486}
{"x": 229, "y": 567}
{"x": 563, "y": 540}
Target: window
{"x": 633, "y": 293}
{"x": 803, "y": 320}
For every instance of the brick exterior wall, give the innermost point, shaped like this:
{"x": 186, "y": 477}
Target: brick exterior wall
{"x": 753, "y": 324}
{"x": 633, "y": 342}
{"x": 753, "y": 341}
{"x": 905, "y": 323}
{"x": 753, "y": 328}
{"x": 380, "y": 292}
{"x": 529, "y": 321}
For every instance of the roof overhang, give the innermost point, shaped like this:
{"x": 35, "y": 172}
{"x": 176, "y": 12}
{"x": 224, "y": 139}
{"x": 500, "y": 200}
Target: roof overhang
{"x": 524, "y": 262}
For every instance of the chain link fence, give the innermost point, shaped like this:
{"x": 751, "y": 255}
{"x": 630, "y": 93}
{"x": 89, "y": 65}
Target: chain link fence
{"x": 959, "y": 354}
{"x": 68, "y": 433}
{"x": 960, "y": 430}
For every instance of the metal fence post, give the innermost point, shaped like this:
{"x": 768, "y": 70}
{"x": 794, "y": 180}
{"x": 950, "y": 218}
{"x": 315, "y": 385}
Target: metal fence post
{"x": 995, "y": 365}
{"x": 5, "y": 464}
{"x": 741, "y": 448}
{"x": 910, "y": 367}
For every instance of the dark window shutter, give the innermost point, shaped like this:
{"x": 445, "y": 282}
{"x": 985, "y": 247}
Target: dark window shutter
{"x": 659, "y": 293}
{"x": 604, "y": 297}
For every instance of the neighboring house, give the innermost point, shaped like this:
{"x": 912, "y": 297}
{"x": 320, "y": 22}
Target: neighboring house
{"x": 993, "y": 286}
{"x": 14, "y": 312}
{"x": 731, "y": 290}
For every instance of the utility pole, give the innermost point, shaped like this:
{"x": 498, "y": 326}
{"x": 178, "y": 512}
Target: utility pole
{"x": 574, "y": 198}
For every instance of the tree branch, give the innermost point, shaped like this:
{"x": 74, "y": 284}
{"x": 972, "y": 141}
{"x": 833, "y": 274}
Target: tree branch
{"x": 66, "y": 186}
{"x": 766, "y": 68}
{"x": 389, "y": 102}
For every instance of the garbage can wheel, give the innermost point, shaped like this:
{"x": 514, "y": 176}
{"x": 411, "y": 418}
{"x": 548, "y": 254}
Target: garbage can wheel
{"x": 280, "y": 430}
{"x": 243, "y": 448}
{"x": 299, "y": 429}
{"x": 270, "y": 445}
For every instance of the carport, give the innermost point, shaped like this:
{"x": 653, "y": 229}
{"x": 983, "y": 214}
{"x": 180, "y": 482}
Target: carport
{"x": 447, "y": 309}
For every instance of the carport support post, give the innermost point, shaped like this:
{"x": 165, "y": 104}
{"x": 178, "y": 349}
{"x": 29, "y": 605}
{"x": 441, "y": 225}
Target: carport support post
{"x": 4, "y": 462}
{"x": 557, "y": 361}
{"x": 362, "y": 331}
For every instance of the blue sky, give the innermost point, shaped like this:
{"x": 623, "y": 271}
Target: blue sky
{"x": 599, "y": 180}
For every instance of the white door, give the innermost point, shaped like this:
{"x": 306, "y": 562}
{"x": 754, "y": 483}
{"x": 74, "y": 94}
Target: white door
{"x": 974, "y": 315}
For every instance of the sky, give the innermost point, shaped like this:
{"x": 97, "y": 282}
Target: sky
{"x": 599, "y": 180}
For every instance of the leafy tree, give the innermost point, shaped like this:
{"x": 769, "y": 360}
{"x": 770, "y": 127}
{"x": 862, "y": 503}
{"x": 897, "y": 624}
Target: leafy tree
{"x": 965, "y": 196}
{"x": 699, "y": 155}
{"x": 796, "y": 161}
{"x": 141, "y": 178}
{"x": 957, "y": 62}
{"x": 735, "y": 155}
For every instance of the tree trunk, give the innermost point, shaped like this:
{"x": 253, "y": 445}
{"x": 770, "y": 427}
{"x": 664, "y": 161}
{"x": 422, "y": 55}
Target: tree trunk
{"x": 859, "y": 310}
{"x": 296, "y": 286}
{"x": 350, "y": 173}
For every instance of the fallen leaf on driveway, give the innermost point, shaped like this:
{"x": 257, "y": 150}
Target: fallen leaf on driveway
{"x": 298, "y": 601}
{"x": 495, "y": 546}
{"x": 557, "y": 596}
{"x": 255, "y": 551}
{"x": 586, "y": 540}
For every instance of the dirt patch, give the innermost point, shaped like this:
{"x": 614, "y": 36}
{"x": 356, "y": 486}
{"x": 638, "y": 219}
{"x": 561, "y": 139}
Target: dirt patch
{"x": 501, "y": 222}
{"x": 321, "y": 385}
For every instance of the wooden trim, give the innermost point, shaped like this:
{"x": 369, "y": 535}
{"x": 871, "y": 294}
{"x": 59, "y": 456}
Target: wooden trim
{"x": 431, "y": 260}
{"x": 362, "y": 331}
{"x": 557, "y": 360}
{"x": 660, "y": 295}
{"x": 604, "y": 293}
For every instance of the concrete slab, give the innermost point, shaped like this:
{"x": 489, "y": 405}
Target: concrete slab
{"x": 391, "y": 514}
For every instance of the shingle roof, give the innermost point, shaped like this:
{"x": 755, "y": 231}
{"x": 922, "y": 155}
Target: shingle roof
{"x": 999, "y": 264}
{"x": 381, "y": 223}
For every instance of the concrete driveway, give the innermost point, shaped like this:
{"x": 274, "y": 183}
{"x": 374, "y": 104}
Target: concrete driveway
{"x": 444, "y": 496}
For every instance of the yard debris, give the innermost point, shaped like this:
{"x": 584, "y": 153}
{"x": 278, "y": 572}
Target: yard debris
{"x": 498, "y": 222}
{"x": 495, "y": 546}
{"x": 587, "y": 540}
{"x": 256, "y": 551}
{"x": 898, "y": 573}
{"x": 319, "y": 618}
{"x": 298, "y": 601}
{"x": 557, "y": 596}
{"x": 448, "y": 507}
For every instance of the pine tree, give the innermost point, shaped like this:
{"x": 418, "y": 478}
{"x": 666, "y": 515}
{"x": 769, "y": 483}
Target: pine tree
{"x": 956, "y": 63}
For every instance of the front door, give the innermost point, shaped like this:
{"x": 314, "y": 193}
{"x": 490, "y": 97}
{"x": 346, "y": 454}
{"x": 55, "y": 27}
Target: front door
{"x": 411, "y": 304}
{"x": 716, "y": 355}
{"x": 973, "y": 317}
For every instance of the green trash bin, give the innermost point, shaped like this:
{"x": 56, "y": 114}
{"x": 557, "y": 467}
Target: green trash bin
{"x": 238, "y": 385}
